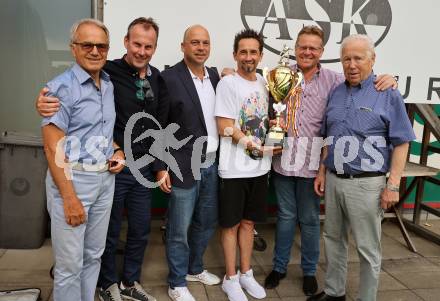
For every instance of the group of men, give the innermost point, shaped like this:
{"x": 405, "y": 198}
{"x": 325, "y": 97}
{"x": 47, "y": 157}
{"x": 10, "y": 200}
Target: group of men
{"x": 94, "y": 101}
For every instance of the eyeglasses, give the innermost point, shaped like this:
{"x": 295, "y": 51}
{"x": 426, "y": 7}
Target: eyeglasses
{"x": 145, "y": 91}
{"x": 304, "y": 48}
{"x": 87, "y": 46}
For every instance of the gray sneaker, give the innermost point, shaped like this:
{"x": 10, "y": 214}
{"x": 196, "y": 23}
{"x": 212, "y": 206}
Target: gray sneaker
{"x": 112, "y": 293}
{"x": 136, "y": 293}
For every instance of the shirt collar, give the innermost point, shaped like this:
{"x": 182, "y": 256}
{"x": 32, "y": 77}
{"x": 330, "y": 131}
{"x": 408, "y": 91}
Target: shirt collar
{"x": 206, "y": 76}
{"x": 366, "y": 82}
{"x": 134, "y": 71}
{"x": 296, "y": 68}
{"x": 83, "y": 76}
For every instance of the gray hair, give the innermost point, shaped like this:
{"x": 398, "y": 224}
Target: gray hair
{"x": 359, "y": 37}
{"x": 77, "y": 24}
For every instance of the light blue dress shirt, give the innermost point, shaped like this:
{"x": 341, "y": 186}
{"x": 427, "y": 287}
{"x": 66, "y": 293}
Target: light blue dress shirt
{"x": 86, "y": 115}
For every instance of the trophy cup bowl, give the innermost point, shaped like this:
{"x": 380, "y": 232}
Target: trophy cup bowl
{"x": 281, "y": 81}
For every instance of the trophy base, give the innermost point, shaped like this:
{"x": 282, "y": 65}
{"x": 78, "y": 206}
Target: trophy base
{"x": 275, "y": 138}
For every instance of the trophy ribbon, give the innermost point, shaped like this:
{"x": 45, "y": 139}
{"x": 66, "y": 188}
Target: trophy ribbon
{"x": 293, "y": 105}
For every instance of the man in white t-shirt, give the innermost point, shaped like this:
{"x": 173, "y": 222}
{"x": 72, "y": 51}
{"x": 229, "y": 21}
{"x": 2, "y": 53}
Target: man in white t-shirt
{"x": 242, "y": 119}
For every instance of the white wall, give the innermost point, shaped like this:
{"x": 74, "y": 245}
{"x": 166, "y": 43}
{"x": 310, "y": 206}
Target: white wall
{"x": 410, "y": 47}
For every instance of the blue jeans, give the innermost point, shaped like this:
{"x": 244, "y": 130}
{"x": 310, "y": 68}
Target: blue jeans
{"x": 136, "y": 198}
{"x": 297, "y": 204}
{"x": 78, "y": 250}
{"x": 192, "y": 219}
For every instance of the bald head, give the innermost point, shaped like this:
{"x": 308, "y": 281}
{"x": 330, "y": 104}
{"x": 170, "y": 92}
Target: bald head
{"x": 194, "y": 28}
{"x": 196, "y": 45}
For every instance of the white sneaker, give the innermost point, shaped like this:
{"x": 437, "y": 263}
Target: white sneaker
{"x": 233, "y": 289}
{"x": 180, "y": 294}
{"x": 204, "y": 277}
{"x": 252, "y": 287}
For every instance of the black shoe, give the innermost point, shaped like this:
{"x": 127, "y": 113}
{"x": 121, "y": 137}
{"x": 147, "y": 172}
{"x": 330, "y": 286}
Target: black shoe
{"x": 310, "y": 286}
{"x": 273, "y": 279}
{"x": 323, "y": 297}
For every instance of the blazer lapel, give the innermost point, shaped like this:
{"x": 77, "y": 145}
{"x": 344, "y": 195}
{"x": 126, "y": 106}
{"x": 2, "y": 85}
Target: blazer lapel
{"x": 188, "y": 83}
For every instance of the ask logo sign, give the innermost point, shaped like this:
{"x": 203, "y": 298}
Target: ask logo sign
{"x": 280, "y": 20}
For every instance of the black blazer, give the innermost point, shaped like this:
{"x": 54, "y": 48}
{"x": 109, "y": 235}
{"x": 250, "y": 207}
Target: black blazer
{"x": 186, "y": 111}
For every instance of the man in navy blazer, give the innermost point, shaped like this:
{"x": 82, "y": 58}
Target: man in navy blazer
{"x": 193, "y": 188}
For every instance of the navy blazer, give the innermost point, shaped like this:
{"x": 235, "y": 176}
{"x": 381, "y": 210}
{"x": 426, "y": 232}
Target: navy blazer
{"x": 186, "y": 111}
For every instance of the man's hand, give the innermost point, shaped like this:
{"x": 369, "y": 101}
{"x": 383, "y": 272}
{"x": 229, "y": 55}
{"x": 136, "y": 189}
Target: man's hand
{"x": 227, "y": 71}
{"x": 74, "y": 212}
{"x": 385, "y": 81}
{"x": 268, "y": 150}
{"x": 319, "y": 184}
{"x": 164, "y": 177}
{"x": 117, "y": 162}
{"x": 46, "y": 106}
{"x": 388, "y": 198}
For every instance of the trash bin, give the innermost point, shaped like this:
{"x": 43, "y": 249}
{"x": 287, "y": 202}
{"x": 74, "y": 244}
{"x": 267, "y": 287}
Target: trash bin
{"x": 23, "y": 214}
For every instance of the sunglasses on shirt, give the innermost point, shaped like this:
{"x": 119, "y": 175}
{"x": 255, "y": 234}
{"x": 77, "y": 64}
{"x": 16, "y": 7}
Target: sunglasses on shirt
{"x": 144, "y": 92}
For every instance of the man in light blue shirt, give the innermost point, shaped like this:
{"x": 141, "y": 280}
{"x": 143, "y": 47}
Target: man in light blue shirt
{"x": 82, "y": 158}
{"x": 368, "y": 134}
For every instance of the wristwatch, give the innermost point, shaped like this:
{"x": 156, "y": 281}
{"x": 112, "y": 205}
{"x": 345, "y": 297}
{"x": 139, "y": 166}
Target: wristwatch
{"x": 255, "y": 152}
{"x": 394, "y": 188}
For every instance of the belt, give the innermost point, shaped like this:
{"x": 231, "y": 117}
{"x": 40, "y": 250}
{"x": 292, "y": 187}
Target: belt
{"x": 90, "y": 167}
{"x": 359, "y": 175}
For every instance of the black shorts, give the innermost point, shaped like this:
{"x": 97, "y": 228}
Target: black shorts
{"x": 242, "y": 198}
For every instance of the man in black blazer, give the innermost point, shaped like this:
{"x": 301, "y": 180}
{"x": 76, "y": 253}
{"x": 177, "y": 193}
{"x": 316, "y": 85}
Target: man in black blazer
{"x": 193, "y": 188}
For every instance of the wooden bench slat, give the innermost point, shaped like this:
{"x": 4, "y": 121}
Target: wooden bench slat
{"x": 417, "y": 170}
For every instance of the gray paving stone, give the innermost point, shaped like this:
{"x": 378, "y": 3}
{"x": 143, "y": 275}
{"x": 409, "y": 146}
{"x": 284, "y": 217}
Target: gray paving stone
{"x": 198, "y": 291}
{"x": 28, "y": 259}
{"x": 25, "y": 278}
{"x": 432, "y": 294}
{"x": 404, "y": 295}
{"x": 386, "y": 283}
{"x": 434, "y": 260}
{"x": 426, "y": 248}
{"x": 396, "y": 251}
{"x": 46, "y": 291}
{"x": 160, "y": 292}
{"x": 416, "y": 264}
{"x": 416, "y": 280}
{"x": 297, "y": 298}
{"x": 215, "y": 293}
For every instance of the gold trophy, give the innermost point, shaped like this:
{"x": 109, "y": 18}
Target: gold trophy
{"x": 285, "y": 87}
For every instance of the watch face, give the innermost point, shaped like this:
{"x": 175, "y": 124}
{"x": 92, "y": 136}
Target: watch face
{"x": 256, "y": 154}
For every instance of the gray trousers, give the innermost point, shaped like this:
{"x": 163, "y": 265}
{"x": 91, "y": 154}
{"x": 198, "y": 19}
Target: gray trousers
{"x": 353, "y": 203}
{"x": 78, "y": 250}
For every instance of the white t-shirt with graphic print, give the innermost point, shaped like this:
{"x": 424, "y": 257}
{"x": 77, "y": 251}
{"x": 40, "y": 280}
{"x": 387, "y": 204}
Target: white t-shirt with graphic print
{"x": 247, "y": 103}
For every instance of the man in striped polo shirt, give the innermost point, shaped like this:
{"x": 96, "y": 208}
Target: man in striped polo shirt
{"x": 296, "y": 169}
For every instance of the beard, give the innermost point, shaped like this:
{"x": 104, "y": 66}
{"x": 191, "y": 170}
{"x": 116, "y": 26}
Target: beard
{"x": 248, "y": 68}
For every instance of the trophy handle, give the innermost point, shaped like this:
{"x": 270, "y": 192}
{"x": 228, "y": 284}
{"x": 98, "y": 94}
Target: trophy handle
{"x": 297, "y": 78}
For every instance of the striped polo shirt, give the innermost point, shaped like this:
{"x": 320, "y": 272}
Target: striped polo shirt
{"x": 301, "y": 157}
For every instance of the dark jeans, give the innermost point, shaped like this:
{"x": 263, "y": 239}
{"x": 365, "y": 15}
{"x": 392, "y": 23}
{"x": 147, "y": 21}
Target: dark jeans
{"x": 192, "y": 219}
{"x": 136, "y": 198}
{"x": 297, "y": 204}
